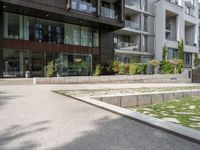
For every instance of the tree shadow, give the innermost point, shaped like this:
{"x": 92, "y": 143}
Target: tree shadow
{"x": 126, "y": 134}
{"x": 4, "y": 98}
{"x": 18, "y": 132}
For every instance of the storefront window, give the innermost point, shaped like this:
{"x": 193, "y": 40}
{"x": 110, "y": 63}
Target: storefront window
{"x": 72, "y": 34}
{"x": 86, "y": 36}
{"x": 13, "y": 26}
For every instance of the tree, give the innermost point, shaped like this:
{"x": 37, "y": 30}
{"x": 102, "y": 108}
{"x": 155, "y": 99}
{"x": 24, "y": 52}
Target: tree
{"x": 181, "y": 49}
{"x": 196, "y": 60}
{"x": 164, "y": 53}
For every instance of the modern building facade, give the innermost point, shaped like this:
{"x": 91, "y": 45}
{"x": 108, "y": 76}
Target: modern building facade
{"x": 135, "y": 42}
{"x": 74, "y": 34}
{"x": 152, "y": 24}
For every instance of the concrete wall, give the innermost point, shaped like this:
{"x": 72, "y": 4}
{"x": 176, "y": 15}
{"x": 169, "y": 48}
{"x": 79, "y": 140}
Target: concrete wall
{"x": 173, "y": 78}
{"x": 138, "y": 100}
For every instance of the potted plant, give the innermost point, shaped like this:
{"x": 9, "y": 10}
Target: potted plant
{"x": 155, "y": 64}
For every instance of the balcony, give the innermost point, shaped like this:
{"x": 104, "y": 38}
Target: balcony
{"x": 109, "y": 13}
{"x": 83, "y": 6}
{"x": 133, "y": 3}
{"x": 125, "y": 46}
{"x": 132, "y": 25}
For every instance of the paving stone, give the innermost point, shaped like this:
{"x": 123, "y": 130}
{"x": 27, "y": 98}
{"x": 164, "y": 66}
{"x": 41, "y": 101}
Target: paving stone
{"x": 157, "y": 98}
{"x": 112, "y": 100}
{"x": 168, "y": 96}
{"x": 129, "y": 101}
{"x": 144, "y": 99}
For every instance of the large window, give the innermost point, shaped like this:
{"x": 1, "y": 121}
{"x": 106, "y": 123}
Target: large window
{"x": 13, "y": 26}
{"x": 72, "y": 34}
{"x": 42, "y": 30}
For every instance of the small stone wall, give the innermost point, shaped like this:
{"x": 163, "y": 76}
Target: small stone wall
{"x": 157, "y": 78}
{"x": 138, "y": 100}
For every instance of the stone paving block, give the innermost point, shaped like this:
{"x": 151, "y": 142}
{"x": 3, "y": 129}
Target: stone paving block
{"x": 94, "y": 79}
{"x": 104, "y": 79}
{"x": 129, "y": 101}
{"x": 83, "y": 79}
{"x": 187, "y": 94}
{"x": 114, "y": 78}
{"x": 168, "y": 96}
{"x": 144, "y": 99}
{"x": 195, "y": 93}
{"x": 71, "y": 80}
{"x": 157, "y": 98}
{"x": 122, "y": 77}
{"x": 112, "y": 100}
{"x": 178, "y": 95}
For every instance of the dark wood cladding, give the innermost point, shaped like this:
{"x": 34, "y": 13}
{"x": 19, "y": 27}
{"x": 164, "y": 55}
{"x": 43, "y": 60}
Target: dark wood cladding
{"x": 1, "y": 40}
{"x": 107, "y": 47}
{"x": 196, "y": 76}
{"x": 48, "y": 47}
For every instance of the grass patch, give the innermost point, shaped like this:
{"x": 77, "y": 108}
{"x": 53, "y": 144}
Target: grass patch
{"x": 185, "y": 111}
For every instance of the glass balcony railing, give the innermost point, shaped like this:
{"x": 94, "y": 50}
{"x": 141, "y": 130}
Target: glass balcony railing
{"x": 125, "y": 46}
{"x": 83, "y": 6}
{"x": 109, "y": 13}
{"x": 133, "y": 3}
{"x": 132, "y": 25}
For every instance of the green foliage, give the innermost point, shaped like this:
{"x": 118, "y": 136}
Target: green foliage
{"x": 115, "y": 66}
{"x": 133, "y": 69}
{"x": 122, "y": 67}
{"x": 167, "y": 67}
{"x": 181, "y": 49}
{"x": 164, "y": 53}
{"x": 141, "y": 68}
{"x": 50, "y": 69}
{"x": 179, "y": 65}
{"x": 98, "y": 70}
{"x": 196, "y": 60}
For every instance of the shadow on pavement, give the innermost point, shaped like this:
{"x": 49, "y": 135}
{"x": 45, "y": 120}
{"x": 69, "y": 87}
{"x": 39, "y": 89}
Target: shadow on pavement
{"x": 125, "y": 134}
{"x": 14, "y": 133}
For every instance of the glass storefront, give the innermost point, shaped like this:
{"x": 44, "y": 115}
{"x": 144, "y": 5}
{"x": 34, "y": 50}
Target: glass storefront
{"x": 17, "y": 62}
{"x": 21, "y": 27}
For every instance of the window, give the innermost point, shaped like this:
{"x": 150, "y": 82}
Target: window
{"x": 13, "y": 26}
{"x": 72, "y": 34}
{"x": 86, "y": 36}
{"x": 172, "y": 53}
{"x": 95, "y": 38}
{"x": 188, "y": 60}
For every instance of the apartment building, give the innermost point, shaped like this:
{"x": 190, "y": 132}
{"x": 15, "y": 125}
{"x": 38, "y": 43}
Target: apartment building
{"x": 152, "y": 24}
{"x": 135, "y": 42}
{"x": 74, "y": 34}
{"x": 177, "y": 20}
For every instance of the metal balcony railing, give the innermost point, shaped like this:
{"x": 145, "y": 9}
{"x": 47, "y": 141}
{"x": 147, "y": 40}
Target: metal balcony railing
{"x": 83, "y": 6}
{"x": 109, "y": 13}
{"x": 125, "y": 46}
{"x": 132, "y": 25}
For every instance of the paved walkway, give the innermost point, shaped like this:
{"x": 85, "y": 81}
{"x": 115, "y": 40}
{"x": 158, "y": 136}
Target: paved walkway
{"x": 32, "y": 117}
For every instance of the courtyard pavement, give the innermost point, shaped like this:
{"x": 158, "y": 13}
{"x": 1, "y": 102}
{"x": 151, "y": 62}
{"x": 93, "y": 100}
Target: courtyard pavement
{"x": 32, "y": 117}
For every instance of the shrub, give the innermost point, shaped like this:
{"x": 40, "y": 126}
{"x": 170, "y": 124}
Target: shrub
{"x": 127, "y": 66}
{"x": 50, "y": 69}
{"x": 154, "y": 63}
{"x": 141, "y": 68}
{"x": 133, "y": 69}
{"x": 122, "y": 68}
{"x": 115, "y": 66}
{"x": 167, "y": 67}
{"x": 179, "y": 65}
{"x": 98, "y": 70}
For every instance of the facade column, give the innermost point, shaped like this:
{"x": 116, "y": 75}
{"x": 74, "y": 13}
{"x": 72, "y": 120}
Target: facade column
{"x": 1, "y": 40}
